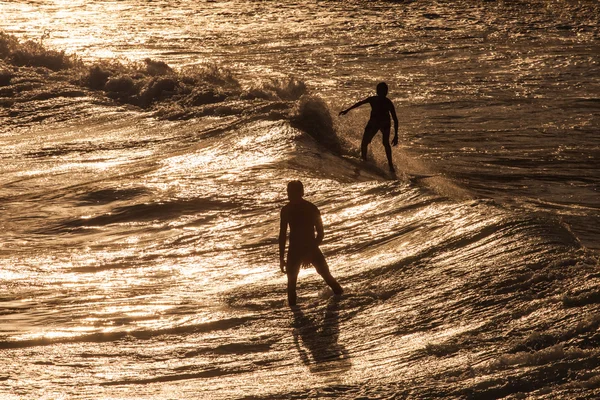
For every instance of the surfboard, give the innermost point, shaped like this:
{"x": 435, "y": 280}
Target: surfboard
{"x": 363, "y": 167}
{"x": 416, "y": 177}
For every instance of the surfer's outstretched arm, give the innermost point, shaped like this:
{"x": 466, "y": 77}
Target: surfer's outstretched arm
{"x": 282, "y": 239}
{"x": 360, "y": 103}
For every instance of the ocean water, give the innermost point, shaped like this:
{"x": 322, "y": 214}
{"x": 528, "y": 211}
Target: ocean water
{"x": 146, "y": 147}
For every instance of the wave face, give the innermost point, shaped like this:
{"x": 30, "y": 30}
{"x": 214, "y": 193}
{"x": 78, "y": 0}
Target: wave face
{"x": 140, "y": 200}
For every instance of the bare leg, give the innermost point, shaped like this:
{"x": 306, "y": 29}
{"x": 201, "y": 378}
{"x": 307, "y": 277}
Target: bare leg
{"x": 363, "y": 148}
{"x": 370, "y": 132}
{"x": 388, "y": 148}
{"x": 292, "y": 268}
{"x": 323, "y": 269}
{"x": 388, "y": 154}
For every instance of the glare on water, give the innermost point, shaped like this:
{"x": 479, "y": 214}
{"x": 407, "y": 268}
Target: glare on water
{"x": 138, "y": 255}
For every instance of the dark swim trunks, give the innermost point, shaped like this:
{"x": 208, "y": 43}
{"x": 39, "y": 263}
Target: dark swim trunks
{"x": 303, "y": 217}
{"x": 304, "y": 256}
{"x": 372, "y": 128}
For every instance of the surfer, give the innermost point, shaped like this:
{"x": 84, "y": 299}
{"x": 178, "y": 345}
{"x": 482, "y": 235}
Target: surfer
{"x": 304, "y": 218}
{"x": 381, "y": 108}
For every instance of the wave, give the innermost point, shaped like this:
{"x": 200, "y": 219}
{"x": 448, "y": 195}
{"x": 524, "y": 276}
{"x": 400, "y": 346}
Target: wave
{"x": 30, "y": 71}
{"x": 32, "y": 74}
{"x": 141, "y": 334}
{"x": 165, "y": 210}
{"x": 313, "y": 116}
{"x": 38, "y": 83}
{"x": 161, "y": 269}
{"x": 452, "y": 279}
{"x": 32, "y": 54}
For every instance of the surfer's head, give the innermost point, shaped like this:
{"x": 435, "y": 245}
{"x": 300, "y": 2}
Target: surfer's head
{"x": 295, "y": 190}
{"x": 382, "y": 89}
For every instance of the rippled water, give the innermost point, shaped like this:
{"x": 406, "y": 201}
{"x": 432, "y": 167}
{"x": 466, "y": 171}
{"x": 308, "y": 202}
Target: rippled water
{"x": 138, "y": 253}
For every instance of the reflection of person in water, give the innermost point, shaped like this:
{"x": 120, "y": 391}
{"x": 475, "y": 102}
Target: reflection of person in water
{"x": 317, "y": 344}
{"x": 304, "y": 218}
{"x": 381, "y": 109}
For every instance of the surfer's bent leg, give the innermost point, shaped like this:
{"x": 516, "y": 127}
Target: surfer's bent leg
{"x": 370, "y": 131}
{"x": 386, "y": 144}
{"x": 318, "y": 260}
{"x": 292, "y": 269}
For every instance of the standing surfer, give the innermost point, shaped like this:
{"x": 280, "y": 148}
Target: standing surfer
{"x": 381, "y": 108}
{"x": 304, "y": 218}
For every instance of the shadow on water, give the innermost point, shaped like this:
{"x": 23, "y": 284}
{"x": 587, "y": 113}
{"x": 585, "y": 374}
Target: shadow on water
{"x": 317, "y": 341}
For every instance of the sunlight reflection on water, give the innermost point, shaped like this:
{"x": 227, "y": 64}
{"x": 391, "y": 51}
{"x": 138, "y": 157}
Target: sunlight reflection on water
{"x": 170, "y": 286}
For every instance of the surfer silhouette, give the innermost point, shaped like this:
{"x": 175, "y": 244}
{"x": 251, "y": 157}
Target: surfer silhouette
{"x": 381, "y": 108}
{"x": 304, "y": 219}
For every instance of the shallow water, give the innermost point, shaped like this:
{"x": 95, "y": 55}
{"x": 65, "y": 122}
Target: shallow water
{"x": 139, "y": 243}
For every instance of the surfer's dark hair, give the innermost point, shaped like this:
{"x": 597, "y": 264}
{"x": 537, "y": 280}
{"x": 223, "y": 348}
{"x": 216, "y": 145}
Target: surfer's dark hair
{"x": 382, "y": 89}
{"x": 295, "y": 189}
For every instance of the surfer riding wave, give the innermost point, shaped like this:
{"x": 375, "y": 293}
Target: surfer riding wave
{"x": 381, "y": 109}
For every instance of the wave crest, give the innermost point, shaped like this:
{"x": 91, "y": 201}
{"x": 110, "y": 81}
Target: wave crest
{"x": 313, "y": 116}
{"x": 188, "y": 92}
{"x": 277, "y": 89}
{"x": 33, "y": 54}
